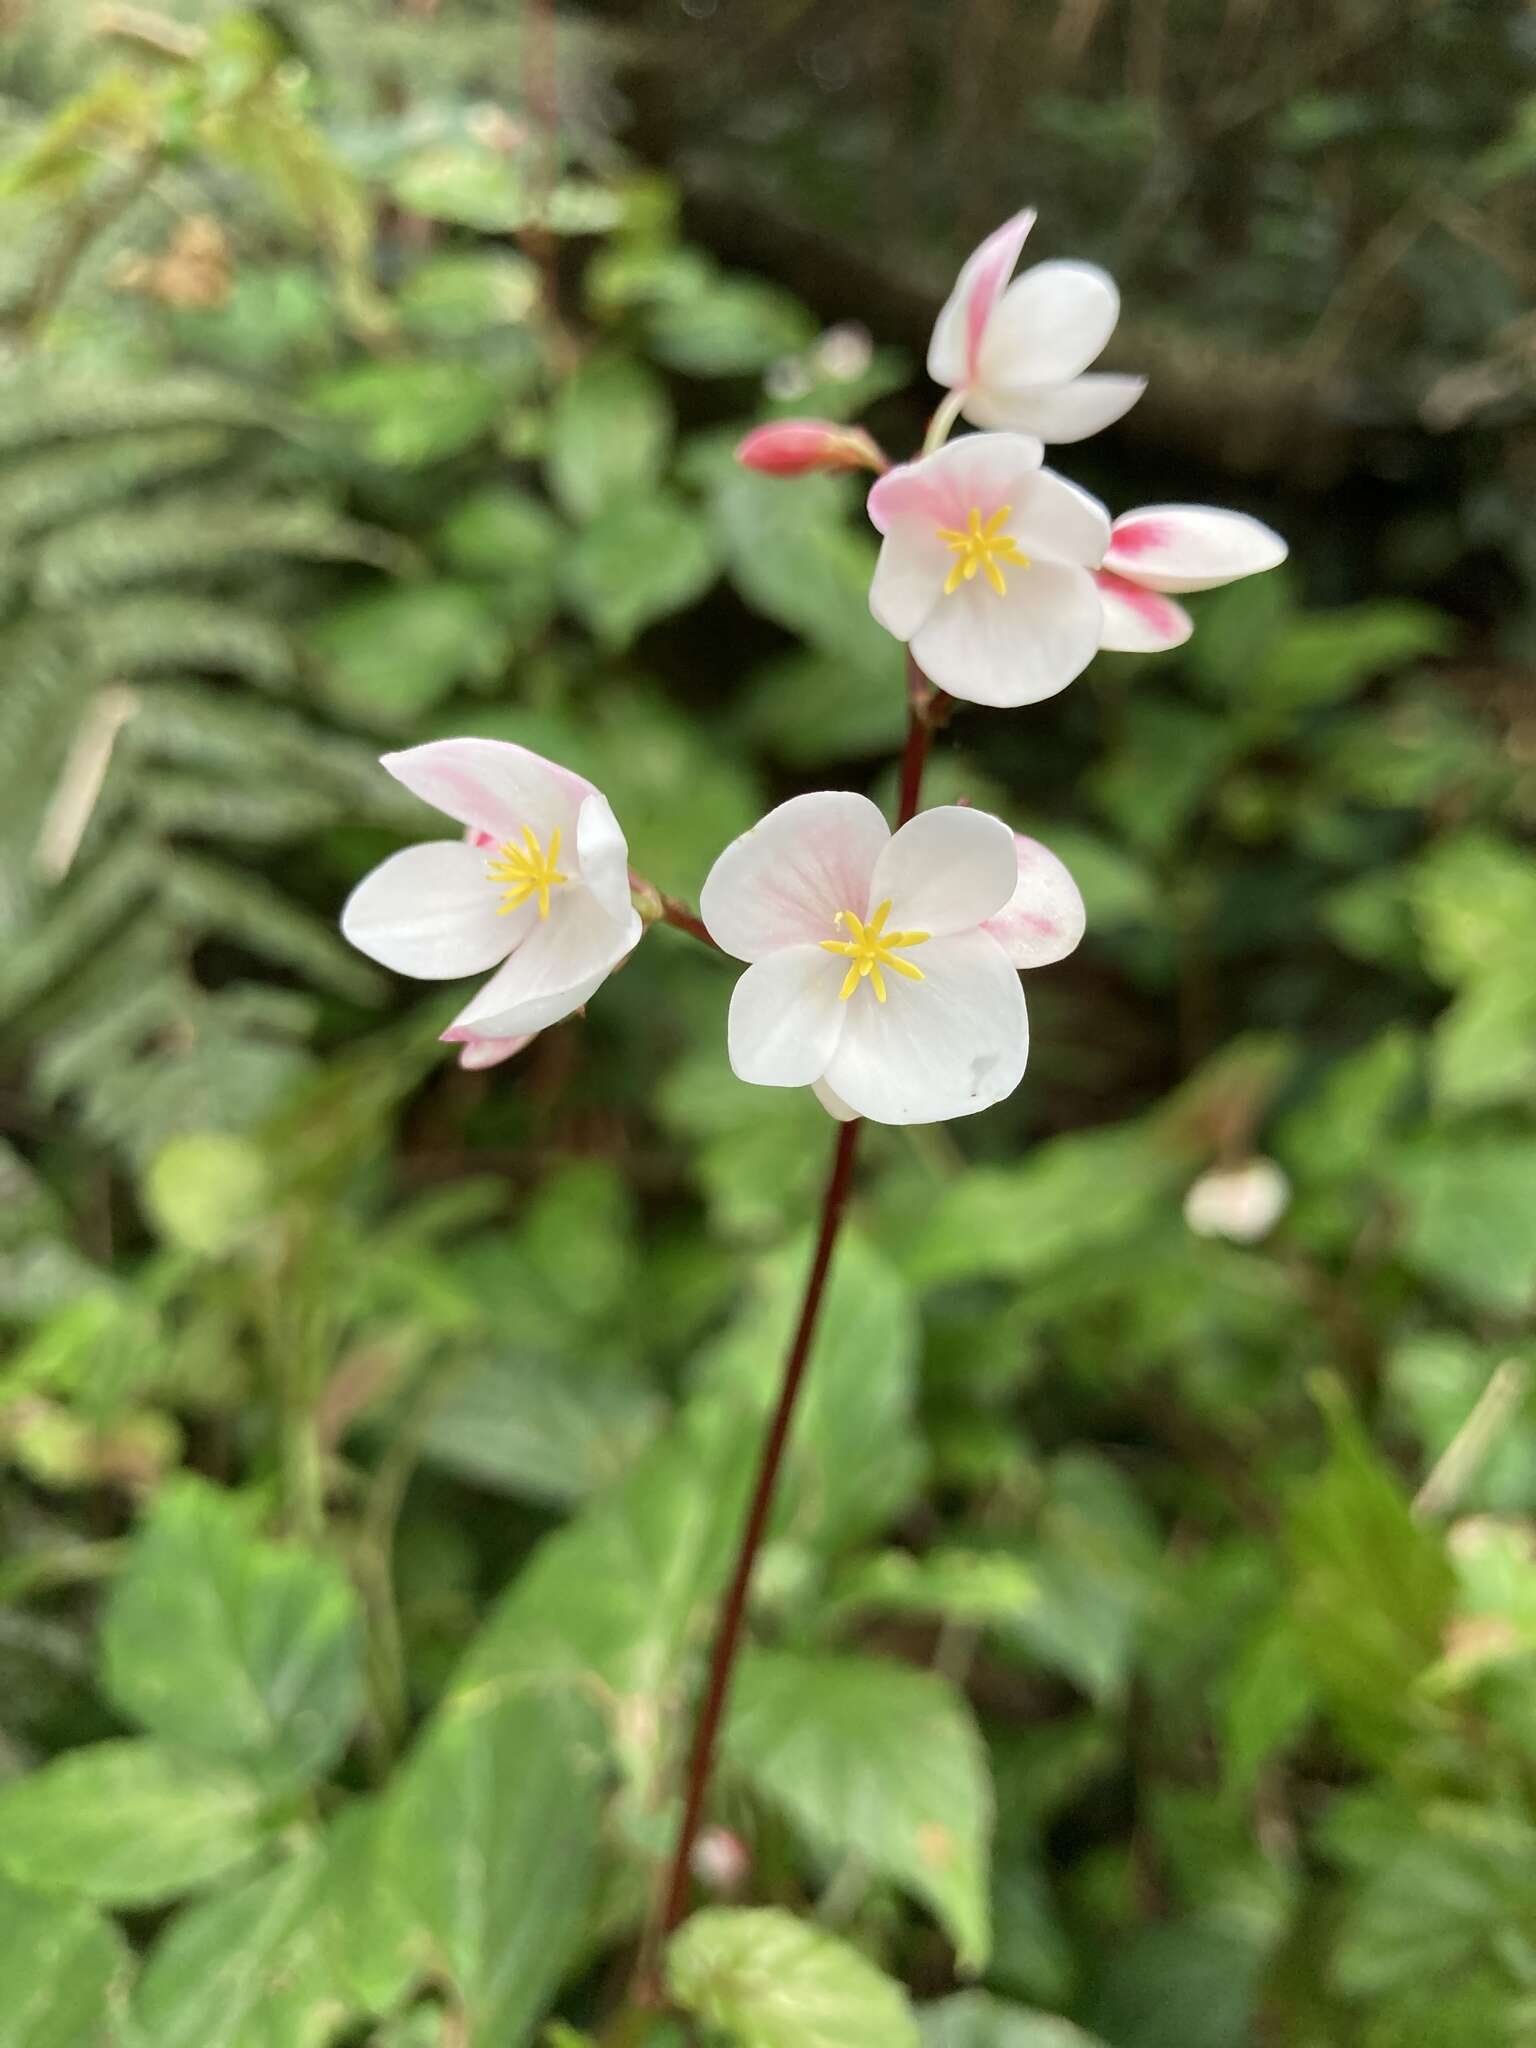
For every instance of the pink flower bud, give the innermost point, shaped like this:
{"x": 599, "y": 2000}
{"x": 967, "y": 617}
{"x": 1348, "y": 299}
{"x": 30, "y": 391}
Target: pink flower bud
{"x": 798, "y": 447}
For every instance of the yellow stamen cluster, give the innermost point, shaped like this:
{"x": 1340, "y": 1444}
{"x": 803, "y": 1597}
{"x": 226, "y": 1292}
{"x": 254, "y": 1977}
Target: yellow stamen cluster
{"x": 871, "y": 948}
{"x": 527, "y": 870}
{"x": 982, "y": 547}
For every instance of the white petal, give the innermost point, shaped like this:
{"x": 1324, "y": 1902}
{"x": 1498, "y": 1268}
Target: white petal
{"x": 1138, "y": 621}
{"x": 786, "y": 1017}
{"x": 563, "y": 960}
{"x": 1049, "y": 325}
{"x": 832, "y": 1102}
{"x": 783, "y": 883}
{"x": 909, "y": 576}
{"x": 945, "y": 1046}
{"x": 1015, "y": 649}
{"x": 492, "y": 785}
{"x": 1044, "y": 918}
{"x": 958, "y": 330}
{"x": 1191, "y": 547}
{"x": 602, "y": 853}
{"x": 980, "y": 471}
{"x": 431, "y": 912}
{"x": 945, "y": 871}
{"x": 1056, "y": 412}
{"x": 476, "y": 1054}
{"x": 1059, "y": 521}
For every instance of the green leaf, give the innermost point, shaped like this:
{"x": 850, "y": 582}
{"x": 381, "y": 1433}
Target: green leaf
{"x": 794, "y": 557}
{"x": 1370, "y": 1590}
{"x": 238, "y": 1649}
{"x": 246, "y": 1967}
{"x": 638, "y": 559}
{"x": 543, "y": 1428}
{"x": 392, "y": 654}
{"x": 876, "y": 1760}
{"x": 767, "y": 1980}
{"x": 809, "y": 707}
{"x": 466, "y": 293}
{"x": 1189, "y": 1983}
{"x": 610, "y": 428}
{"x": 1484, "y": 1048}
{"x": 126, "y": 1824}
{"x": 406, "y": 415}
{"x": 732, "y": 327}
{"x": 1322, "y": 657}
{"x": 974, "y": 2019}
{"x": 969, "y": 1586}
{"x": 492, "y": 1835}
{"x": 64, "y": 1973}
{"x": 1474, "y": 901}
{"x": 1468, "y": 1217}
{"x": 206, "y": 1192}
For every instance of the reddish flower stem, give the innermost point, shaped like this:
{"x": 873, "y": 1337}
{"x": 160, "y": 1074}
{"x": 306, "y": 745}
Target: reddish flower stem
{"x": 927, "y": 708}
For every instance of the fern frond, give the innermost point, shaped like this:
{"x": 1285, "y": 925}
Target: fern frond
{"x": 78, "y": 921}
{"x": 213, "y": 901}
{"x": 77, "y": 477}
{"x": 162, "y": 631}
{"x": 42, "y": 403}
{"x": 263, "y": 813}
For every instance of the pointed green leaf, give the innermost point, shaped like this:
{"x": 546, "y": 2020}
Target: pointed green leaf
{"x": 768, "y": 1980}
{"x": 64, "y": 1973}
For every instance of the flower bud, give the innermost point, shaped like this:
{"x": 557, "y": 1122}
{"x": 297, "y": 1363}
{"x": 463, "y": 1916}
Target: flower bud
{"x": 799, "y": 447}
{"x": 720, "y": 1861}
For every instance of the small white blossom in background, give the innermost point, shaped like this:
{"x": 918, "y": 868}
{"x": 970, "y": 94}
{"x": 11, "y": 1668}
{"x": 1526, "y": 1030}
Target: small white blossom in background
{"x": 1015, "y": 354}
{"x": 1158, "y": 549}
{"x": 1240, "y": 1203}
{"x": 844, "y": 352}
{"x": 986, "y": 569}
{"x": 720, "y": 1861}
{"x": 883, "y": 968}
{"x": 540, "y": 882}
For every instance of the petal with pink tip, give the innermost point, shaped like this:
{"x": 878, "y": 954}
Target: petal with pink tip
{"x": 1191, "y": 547}
{"x": 1048, "y": 326}
{"x": 1138, "y": 621}
{"x": 1058, "y": 413}
{"x": 786, "y": 1017}
{"x": 1044, "y": 918}
{"x": 946, "y": 1046}
{"x": 432, "y": 912}
{"x": 944, "y": 871}
{"x": 564, "y": 959}
{"x": 784, "y": 882}
{"x": 493, "y": 786}
{"x": 957, "y": 333}
{"x": 475, "y": 1054}
{"x": 1015, "y": 649}
{"x": 980, "y": 471}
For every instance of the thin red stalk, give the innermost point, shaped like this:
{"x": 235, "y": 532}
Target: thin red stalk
{"x": 685, "y": 920}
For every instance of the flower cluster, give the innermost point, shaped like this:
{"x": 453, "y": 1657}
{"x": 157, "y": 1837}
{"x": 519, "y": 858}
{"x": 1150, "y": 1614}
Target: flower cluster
{"x": 882, "y": 967}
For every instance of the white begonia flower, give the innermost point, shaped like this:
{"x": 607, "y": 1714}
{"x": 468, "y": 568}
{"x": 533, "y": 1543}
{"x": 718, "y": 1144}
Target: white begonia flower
{"x": 986, "y": 569}
{"x": 540, "y": 883}
{"x": 1162, "y": 548}
{"x": 1015, "y": 353}
{"x": 1240, "y": 1203}
{"x": 874, "y": 974}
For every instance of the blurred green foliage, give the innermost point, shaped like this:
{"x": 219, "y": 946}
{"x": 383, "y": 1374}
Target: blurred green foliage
{"x": 1144, "y": 1655}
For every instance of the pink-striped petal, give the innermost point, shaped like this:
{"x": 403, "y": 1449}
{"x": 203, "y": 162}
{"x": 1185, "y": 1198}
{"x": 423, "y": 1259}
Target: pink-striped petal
{"x": 1138, "y": 621}
{"x": 1191, "y": 547}
{"x": 962, "y": 322}
{"x": 1044, "y": 918}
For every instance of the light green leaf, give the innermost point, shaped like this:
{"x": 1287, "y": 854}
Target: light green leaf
{"x": 639, "y": 559}
{"x": 406, "y": 415}
{"x": 1484, "y": 1048}
{"x": 1468, "y": 1209}
{"x": 730, "y": 328}
{"x": 610, "y": 428}
{"x": 207, "y": 1191}
{"x": 879, "y": 1761}
{"x": 492, "y": 1835}
{"x": 974, "y": 2019}
{"x": 535, "y": 1427}
{"x": 768, "y": 1980}
{"x": 238, "y": 1649}
{"x": 1474, "y": 902}
{"x": 390, "y": 655}
{"x": 64, "y": 1973}
{"x": 126, "y": 1824}
{"x": 970, "y": 1586}
{"x": 795, "y": 557}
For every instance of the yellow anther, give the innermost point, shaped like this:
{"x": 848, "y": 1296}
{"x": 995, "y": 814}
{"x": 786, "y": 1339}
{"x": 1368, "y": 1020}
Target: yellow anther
{"x": 871, "y": 948}
{"x": 982, "y": 547}
{"x": 527, "y": 871}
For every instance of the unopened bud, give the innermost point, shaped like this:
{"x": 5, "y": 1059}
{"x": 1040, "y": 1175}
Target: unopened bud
{"x": 1241, "y": 1203}
{"x": 800, "y": 447}
{"x": 720, "y": 1861}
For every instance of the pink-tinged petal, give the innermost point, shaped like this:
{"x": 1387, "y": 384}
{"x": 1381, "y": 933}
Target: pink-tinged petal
{"x": 1044, "y": 918}
{"x": 1058, "y": 413}
{"x": 832, "y": 1102}
{"x": 602, "y": 855}
{"x": 784, "y": 882}
{"x": 431, "y": 912}
{"x": 1015, "y": 649}
{"x": 1191, "y": 547}
{"x": 1138, "y": 621}
{"x": 910, "y": 573}
{"x": 475, "y": 1054}
{"x": 801, "y": 447}
{"x": 939, "y": 490}
{"x": 1057, "y": 521}
{"x": 945, "y": 871}
{"x": 492, "y": 785}
{"x": 564, "y": 959}
{"x": 1048, "y": 326}
{"x": 786, "y": 1017}
{"x": 958, "y": 331}
{"x": 946, "y": 1046}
